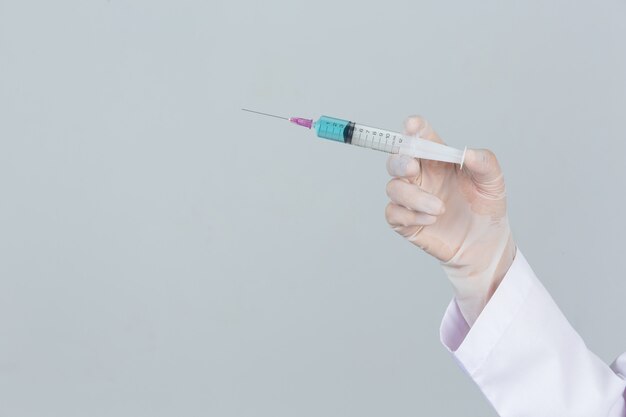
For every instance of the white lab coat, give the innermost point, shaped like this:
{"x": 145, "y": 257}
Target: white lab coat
{"x": 526, "y": 357}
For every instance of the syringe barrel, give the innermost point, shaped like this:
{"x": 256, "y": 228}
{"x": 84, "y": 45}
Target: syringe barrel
{"x": 357, "y": 134}
{"x": 345, "y": 131}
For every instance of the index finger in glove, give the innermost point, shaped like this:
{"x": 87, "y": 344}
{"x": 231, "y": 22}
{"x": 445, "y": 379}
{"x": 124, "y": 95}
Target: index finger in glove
{"x": 417, "y": 125}
{"x": 403, "y": 166}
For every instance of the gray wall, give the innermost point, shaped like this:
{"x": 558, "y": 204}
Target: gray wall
{"x": 163, "y": 253}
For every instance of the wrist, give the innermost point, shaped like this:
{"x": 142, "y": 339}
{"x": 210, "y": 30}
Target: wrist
{"x": 476, "y": 273}
{"x": 506, "y": 260}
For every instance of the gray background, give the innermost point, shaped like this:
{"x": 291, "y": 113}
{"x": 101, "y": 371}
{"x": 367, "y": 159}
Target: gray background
{"x": 163, "y": 253}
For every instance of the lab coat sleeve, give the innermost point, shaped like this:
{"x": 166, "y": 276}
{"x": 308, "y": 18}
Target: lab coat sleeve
{"x": 528, "y": 360}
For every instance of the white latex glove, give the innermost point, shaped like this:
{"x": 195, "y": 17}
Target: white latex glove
{"x": 456, "y": 215}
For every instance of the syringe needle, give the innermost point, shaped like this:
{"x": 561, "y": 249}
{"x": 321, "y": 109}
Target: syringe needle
{"x": 266, "y": 114}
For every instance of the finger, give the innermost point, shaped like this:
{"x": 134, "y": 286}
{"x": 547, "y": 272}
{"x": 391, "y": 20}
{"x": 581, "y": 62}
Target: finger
{"x": 482, "y": 163}
{"x": 484, "y": 168}
{"x": 400, "y": 216}
{"x": 412, "y": 197}
{"x": 403, "y": 166}
{"x": 417, "y": 125}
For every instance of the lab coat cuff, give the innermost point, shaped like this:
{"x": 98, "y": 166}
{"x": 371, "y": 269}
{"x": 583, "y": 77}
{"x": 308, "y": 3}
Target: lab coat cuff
{"x": 471, "y": 346}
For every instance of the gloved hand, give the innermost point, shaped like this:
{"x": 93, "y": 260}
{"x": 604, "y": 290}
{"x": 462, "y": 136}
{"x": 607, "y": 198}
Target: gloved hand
{"x": 456, "y": 215}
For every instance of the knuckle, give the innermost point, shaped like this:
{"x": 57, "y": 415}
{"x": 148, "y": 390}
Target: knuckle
{"x": 391, "y": 187}
{"x": 389, "y": 211}
{"x": 391, "y": 163}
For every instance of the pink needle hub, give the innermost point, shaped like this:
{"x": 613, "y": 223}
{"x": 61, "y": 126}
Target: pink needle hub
{"x": 301, "y": 122}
